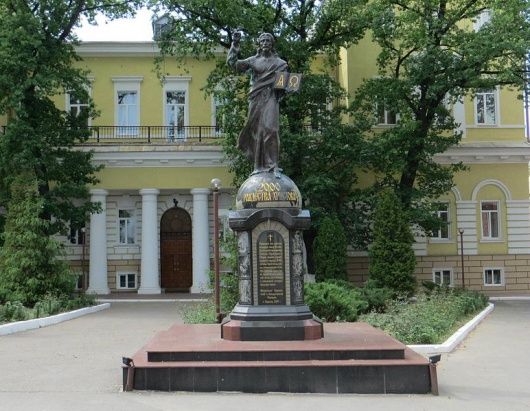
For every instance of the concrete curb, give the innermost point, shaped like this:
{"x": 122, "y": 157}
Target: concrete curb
{"x": 154, "y": 300}
{"x": 512, "y": 298}
{"x": 452, "y": 342}
{"x": 19, "y": 326}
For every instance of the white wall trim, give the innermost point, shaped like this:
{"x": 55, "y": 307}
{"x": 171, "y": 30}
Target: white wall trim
{"x": 493, "y": 182}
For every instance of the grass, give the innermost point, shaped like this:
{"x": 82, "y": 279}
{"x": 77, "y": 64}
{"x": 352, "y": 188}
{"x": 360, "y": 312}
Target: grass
{"x": 430, "y": 319}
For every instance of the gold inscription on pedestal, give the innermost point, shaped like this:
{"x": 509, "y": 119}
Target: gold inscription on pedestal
{"x": 271, "y": 268}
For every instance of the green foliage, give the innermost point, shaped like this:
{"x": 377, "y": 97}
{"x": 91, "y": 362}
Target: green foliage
{"x": 13, "y": 311}
{"x": 37, "y": 58}
{"x": 29, "y": 265}
{"x": 392, "y": 259}
{"x": 330, "y": 250}
{"x": 332, "y": 302}
{"x": 431, "y": 57}
{"x": 318, "y": 151}
{"x": 199, "y": 313}
{"x": 376, "y": 297}
{"x": 431, "y": 318}
{"x": 49, "y": 305}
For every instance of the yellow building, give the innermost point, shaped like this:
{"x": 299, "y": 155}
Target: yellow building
{"x": 158, "y": 141}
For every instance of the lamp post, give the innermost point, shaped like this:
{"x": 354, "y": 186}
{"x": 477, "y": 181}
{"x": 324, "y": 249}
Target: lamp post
{"x": 216, "y": 185}
{"x": 461, "y": 232}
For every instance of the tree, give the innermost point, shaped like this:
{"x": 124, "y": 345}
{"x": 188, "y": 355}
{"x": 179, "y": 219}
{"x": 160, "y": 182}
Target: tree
{"x": 330, "y": 250}
{"x": 431, "y": 56}
{"x": 37, "y": 59}
{"x": 29, "y": 264}
{"x": 392, "y": 259}
{"x": 318, "y": 151}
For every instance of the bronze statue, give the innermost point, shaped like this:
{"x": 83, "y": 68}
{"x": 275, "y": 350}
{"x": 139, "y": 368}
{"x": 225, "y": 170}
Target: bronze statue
{"x": 259, "y": 139}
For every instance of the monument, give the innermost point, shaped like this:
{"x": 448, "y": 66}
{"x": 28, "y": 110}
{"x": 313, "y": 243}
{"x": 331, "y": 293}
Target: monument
{"x": 261, "y": 348}
{"x": 269, "y": 219}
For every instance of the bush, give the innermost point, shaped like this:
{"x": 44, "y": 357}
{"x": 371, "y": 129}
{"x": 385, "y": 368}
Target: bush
{"x": 431, "y": 318}
{"x": 13, "y": 311}
{"x": 392, "y": 259}
{"x": 330, "y": 250}
{"x": 332, "y": 302}
{"x": 376, "y": 297}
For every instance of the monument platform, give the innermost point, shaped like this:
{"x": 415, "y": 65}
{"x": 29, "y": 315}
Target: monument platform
{"x": 351, "y": 358}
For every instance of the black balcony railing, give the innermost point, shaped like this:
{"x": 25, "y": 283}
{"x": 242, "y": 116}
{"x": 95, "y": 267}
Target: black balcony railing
{"x": 153, "y": 134}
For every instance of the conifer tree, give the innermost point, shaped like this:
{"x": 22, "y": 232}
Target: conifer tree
{"x": 330, "y": 250}
{"x": 29, "y": 265}
{"x": 392, "y": 259}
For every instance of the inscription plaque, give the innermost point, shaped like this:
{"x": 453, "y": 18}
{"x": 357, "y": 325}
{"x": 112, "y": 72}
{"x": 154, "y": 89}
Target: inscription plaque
{"x": 271, "y": 268}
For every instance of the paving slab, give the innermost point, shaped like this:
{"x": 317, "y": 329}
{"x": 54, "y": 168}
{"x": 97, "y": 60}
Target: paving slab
{"x": 75, "y": 365}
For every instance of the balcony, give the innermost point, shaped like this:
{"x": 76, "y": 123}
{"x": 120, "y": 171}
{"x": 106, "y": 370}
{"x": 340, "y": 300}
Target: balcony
{"x": 101, "y": 135}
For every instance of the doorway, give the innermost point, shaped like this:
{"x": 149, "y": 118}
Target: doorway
{"x": 176, "y": 270}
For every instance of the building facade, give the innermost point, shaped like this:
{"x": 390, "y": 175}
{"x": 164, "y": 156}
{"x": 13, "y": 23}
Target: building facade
{"x": 158, "y": 141}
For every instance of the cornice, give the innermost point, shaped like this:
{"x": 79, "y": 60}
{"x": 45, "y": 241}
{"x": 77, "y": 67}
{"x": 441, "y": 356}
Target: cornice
{"x": 123, "y": 49}
{"x": 486, "y": 153}
{"x": 144, "y": 156}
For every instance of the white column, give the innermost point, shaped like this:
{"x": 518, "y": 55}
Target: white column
{"x": 150, "y": 280}
{"x": 98, "y": 245}
{"x": 201, "y": 243}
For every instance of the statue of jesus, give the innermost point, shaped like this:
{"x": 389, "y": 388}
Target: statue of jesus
{"x": 259, "y": 139}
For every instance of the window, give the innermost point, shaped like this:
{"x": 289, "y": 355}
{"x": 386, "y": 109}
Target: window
{"x": 128, "y": 112}
{"x": 175, "y": 101}
{"x": 78, "y": 281}
{"x": 218, "y": 115}
{"x": 489, "y": 211}
{"x": 486, "y": 107}
{"x": 78, "y": 107}
{"x": 126, "y": 281}
{"x": 483, "y": 18}
{"x": 77, "y": 234}
{"x": 127, "y": 104}
{"x": 442, "y": 276}
{"x": 443, "y": 215}
{"x": 126, "y": 226}
{"x": 493, "y": 276}
{"x": 175, "y": 109}
{"x": 384, "y": 116}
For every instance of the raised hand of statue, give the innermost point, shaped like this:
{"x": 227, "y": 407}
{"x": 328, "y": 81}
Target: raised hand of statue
{"x": 236, "y": 39}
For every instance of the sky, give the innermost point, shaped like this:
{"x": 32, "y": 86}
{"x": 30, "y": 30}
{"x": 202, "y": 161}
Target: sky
{"x": 137, "y": 29}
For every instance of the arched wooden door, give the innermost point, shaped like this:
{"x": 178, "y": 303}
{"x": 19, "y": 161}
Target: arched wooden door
{"x": 175, "y": 250}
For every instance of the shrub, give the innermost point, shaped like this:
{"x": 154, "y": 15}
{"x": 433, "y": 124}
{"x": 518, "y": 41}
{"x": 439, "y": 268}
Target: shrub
{"x": 376, "y": 297}
{"x": 431, "y": 318}
{"x": 392, "y": 259}
{"x": 332, "y": 302}
{"x": 13, "y": 311}
{"x": 29, "y": 264}
{"x": 330, "y": 250}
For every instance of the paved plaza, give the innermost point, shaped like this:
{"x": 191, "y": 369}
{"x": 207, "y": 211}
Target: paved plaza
{"x": 75, "y": 365}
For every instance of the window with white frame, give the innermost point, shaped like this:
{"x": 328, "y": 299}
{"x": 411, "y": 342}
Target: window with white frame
{"x": 127, "y": 104}
{"x": 489, "y": 211}
{"x": 126, "y": 281}
{"x": 175, "y": 105}
{"x": 486, "y": 107}
{"x": 442, "y": 276}
{"x": 78, "y": 281}
{"x": 128, "y": 120}
{"x": 175, "y": 101}
{"x": 493, "y": 276}
{"x": 217, "y": 113}
{"x": 483, "y": 18}
{"x": 77, "y": 234}
{"x": 443, "y": 215}
{"x": 126, "y": 225}
{"x": 78, "y": 106}
{"x": 385, "y": 116}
